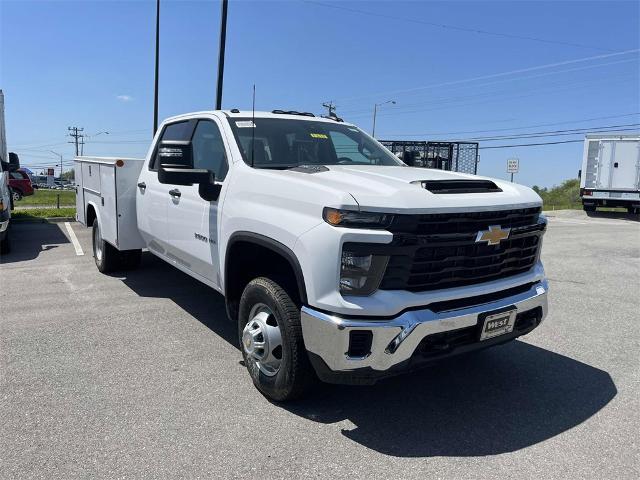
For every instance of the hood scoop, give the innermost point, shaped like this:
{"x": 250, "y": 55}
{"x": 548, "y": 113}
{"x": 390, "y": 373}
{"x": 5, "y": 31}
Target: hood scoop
{"x": 458, "y": 186}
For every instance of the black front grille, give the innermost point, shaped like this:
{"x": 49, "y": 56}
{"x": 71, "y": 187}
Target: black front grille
{"x": 430, "y": 252}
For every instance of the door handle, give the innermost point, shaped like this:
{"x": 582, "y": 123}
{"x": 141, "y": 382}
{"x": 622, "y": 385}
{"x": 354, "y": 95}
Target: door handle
{"x": 142, "y": 185}
{"x": 175, "y": 192}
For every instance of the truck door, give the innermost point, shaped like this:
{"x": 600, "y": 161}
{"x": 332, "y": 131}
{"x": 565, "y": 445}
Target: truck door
{"x": 193, "y": 222}
{"x": 153, "y": 198}
{"x": 626, "y": 156}
{"x": 605, "y": 164}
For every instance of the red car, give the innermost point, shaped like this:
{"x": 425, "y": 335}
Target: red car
{"x": 20, "y": 185}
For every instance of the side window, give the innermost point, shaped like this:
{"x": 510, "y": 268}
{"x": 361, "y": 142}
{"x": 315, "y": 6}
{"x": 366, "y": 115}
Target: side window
{"x": 208, "y": 149}
{"x": 173, "y": 131}
{"x": 16, "y": 175}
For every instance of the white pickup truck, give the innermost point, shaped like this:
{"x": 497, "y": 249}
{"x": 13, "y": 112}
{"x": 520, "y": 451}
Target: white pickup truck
{"x": 336, "y": 260}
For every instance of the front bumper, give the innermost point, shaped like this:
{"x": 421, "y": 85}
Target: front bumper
{"x": 414, "y": 337}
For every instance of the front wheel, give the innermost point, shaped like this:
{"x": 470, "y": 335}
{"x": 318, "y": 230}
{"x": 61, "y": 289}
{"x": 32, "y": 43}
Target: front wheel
{"x": 271, "y": 341}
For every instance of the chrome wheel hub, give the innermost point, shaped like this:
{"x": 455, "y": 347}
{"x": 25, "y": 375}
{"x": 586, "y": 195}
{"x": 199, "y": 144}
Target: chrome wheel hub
{"x": 262, "y": 341}
{"x": 97, "y": 244}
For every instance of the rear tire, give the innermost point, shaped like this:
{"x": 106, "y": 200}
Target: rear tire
{"x": 107, "y": 257}
{"x": 271, "y": 341}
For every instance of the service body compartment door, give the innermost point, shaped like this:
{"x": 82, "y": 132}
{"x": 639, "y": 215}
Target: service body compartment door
{"x": 605, "y": 164}
{"x": 625, "y": 160}
{"x": 81, "y": 214}
{"x": 108, "y": 216}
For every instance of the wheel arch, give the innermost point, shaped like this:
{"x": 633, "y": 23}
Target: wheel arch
{"x": 91, "y": 214}
{"x": 269, "y": 251}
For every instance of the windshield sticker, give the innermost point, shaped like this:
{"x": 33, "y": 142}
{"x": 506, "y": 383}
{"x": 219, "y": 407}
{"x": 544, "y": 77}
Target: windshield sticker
{"x": 318, "y": 135}
{"x": 245, "y": 124}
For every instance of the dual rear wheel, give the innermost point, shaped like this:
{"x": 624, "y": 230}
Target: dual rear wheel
{"x": 108, "y": 258}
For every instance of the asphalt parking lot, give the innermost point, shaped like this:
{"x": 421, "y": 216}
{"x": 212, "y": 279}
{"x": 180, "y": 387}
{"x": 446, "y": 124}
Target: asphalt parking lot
{"x": 139, "y": 375}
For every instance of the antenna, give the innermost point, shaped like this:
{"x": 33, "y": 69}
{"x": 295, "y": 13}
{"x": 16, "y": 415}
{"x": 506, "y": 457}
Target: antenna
{"x": 253, "y": 124}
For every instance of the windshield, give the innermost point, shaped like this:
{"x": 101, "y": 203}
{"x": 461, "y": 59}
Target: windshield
{"x": 285, "y": 143}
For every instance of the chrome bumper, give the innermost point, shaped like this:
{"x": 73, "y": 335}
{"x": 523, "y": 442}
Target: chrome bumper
{"x": 396, "y": 339}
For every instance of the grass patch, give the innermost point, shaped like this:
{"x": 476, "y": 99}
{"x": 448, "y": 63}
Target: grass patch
{"x": 33, "y": 213}
{"x": 45, "y": 196}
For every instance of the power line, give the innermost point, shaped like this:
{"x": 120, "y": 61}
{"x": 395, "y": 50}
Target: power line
{"x": 531, "y": 144}
{"x": 497, "y": 75}
{"x": 494, "y": 94}
{"x": 564, "y": 122}
{"x": 557, "y": 133}
{"x": 448, "y": 104}
{"x": 455, "y": 27}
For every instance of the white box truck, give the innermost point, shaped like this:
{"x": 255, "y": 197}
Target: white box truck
{"x": 610, "y": 174}
{"x": 8, "y": 163}
{"x": 336, "y": 260}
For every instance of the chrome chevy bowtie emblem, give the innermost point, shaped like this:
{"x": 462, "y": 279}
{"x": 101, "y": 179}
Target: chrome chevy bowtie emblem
{"x": 494, "y": 235}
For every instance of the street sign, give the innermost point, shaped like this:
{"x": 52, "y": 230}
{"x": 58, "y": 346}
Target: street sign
{"x": 513, "y": 165}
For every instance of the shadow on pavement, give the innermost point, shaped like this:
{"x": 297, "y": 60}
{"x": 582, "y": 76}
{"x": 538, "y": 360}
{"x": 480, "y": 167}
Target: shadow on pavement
{"x": 155, "y": 278}
{"x": 28, "y": 240}
{"x": 496, "y": 401}
{"x": 614, "y": 215}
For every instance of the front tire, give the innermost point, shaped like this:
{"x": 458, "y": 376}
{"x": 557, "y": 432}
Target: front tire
{"x": 271, "y": 341}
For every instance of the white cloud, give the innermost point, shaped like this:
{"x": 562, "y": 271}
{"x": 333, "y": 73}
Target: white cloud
{"x": 124, "y": 98}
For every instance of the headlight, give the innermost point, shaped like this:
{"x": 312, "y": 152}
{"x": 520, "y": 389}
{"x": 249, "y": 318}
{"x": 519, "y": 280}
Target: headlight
{"x": 360, "y": 274}
{"x": 354, "y": 219}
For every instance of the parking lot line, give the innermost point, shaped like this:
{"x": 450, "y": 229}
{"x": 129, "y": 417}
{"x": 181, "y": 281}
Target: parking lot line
{"x": 74, "y": 239}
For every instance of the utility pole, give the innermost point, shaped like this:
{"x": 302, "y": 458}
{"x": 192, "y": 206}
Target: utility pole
{"x": 78, "y": 137}
{"x": 58, "y": 155}
{"x": 223, "y": 41}
{"x": 331, "y": 108}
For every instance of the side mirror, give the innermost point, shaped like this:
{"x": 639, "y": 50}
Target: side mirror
{"x": 176, "y": 153}
{"x": 172, "y": 174}
{"x": 580, "y": 173}
{"x": 207, "y": 188}
{"x": 209, "y": 191}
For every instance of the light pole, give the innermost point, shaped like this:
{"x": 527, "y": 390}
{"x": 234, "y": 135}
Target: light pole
{"x": 59, "y": 155}
{"x": 223, "y": 42}
{"x": 375, "y": 113}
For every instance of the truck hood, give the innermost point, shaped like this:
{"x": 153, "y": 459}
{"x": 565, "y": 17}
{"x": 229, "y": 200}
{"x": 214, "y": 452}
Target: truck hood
{"x": 398, "y": 189}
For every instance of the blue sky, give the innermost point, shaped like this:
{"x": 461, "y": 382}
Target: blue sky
{"x": 534, "y": 67}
